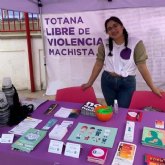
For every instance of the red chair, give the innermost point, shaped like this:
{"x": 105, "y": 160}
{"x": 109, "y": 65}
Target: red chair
{"x": 76, "y": 94}
{"x": 142, "y": 99}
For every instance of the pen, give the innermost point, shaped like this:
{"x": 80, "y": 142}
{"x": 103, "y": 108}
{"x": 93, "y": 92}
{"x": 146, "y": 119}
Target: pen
{"x": 52, "y": 108}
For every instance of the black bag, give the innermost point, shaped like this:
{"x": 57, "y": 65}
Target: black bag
{"x": 17, "y": 111}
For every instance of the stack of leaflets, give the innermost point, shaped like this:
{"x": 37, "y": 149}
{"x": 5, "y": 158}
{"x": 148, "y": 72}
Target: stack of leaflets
{"x": 28, "y": 141}
{"x": 88, "y": 108}
{"x": 97, "y": 155}
{"x": 58, "y": 132}
{"x": 125, "y": 154}
{"x": 154, "y": 160}
{"x": 153, "y": 137}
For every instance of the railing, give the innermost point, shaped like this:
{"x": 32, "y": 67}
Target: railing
{"x": 14, "y": 21}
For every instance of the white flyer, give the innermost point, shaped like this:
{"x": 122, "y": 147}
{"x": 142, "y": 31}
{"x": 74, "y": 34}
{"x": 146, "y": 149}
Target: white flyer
{"x": 63, "y": 112}
{"x": 72, "y": 150}
{"x": 24, "y": 125}
{"x": 7, "y": 138}
{"x": 55, "y": 146}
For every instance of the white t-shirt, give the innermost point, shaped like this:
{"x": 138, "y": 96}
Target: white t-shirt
{"x": 116, "y": 63}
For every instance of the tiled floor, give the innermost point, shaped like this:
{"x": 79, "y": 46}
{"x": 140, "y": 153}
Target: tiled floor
{"x": 37, "y": 94}
{"x": 41, "y": 94}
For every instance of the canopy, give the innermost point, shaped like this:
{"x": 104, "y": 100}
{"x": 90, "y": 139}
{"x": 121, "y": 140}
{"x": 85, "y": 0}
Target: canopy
{"x": 52, "y": 9}
{"x": 62, "y": 6}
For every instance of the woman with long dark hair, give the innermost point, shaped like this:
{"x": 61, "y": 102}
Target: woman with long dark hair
{"x": 120, "y": 55}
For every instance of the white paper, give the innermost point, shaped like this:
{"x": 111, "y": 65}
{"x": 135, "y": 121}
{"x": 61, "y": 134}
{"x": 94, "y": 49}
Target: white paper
{"x": 23, "y": 126}
{"x": 58, "y": 132}
{"x": 7, "y": 138}
{"x": 66, "y": 123}
{"x": 63, "y": 112}
{"x": 55, "y": 146}
{"x": 72, "y": 150}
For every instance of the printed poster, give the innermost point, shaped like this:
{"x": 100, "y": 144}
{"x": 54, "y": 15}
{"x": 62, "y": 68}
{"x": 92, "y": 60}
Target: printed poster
{"x": 94, "y": 135}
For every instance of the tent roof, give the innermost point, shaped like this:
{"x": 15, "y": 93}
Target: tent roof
{"x": 19, "y": 5}
{"x": 63, "y": 6}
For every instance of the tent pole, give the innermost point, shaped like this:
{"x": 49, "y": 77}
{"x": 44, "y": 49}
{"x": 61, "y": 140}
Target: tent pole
{"x": 42, "y": 35}
{"x": 29, "y": 52}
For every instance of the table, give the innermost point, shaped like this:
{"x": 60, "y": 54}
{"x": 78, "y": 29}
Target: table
{"x": 40, "y": 155}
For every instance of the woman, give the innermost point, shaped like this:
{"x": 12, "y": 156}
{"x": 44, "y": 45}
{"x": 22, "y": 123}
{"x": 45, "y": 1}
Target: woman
{"x": 120, "y": 55}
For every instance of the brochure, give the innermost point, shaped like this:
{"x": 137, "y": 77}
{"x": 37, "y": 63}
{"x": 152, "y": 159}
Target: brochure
{"x": 153, "y": 137}
{"x": 49, "y": 124}
{"x": 24, "y": 125}
{"x": 28, "y": 141}
{"x": 159, "y": 124}
{"x": 154, "y": 160}
{"x": 125, "y": 154}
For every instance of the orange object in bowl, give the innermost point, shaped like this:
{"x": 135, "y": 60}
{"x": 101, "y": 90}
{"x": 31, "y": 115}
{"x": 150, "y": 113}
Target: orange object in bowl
{"x": 103, "y": 113}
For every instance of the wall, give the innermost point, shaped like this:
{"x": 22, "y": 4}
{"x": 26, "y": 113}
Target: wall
{"x": 14, "y": 60}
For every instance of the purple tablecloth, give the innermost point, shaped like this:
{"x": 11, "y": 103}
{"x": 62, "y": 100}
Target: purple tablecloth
{"x": 40, "y": 155}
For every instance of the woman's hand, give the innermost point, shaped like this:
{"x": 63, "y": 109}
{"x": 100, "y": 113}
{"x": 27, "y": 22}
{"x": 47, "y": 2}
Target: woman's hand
{"x": 157, "y": 91}
{"x": 85, "y": 86}
{"x": 95, "y": 72}
{"x": 142, "y": 67}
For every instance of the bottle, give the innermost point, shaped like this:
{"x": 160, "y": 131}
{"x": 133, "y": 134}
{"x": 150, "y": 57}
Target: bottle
{"x": 115, "y": 106}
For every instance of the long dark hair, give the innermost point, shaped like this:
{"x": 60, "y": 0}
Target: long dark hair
{"x": 115, "y": 19}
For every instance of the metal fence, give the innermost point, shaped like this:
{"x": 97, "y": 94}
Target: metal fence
{"x": 14, "y": 21}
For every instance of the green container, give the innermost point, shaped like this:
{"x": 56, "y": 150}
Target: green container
{"x": 105, "y": 110}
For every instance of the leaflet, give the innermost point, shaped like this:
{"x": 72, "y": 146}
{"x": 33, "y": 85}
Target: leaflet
{"x": 23, "y": 126}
